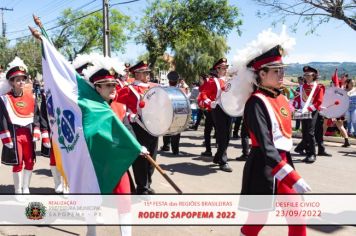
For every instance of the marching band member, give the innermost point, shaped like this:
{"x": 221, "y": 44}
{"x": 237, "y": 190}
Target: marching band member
{"x": 310, "y": 99}
{"x": 340, "y": 83}
{"x": 173, "y": 78}
{"x": 269, "y": 167}
{"x": 19, "y": 126}
{"x": 209, "y": 124}
{"x": 103, "y": 77}
{"x": 223, "y": 122}
{"x": 131, "y": 96}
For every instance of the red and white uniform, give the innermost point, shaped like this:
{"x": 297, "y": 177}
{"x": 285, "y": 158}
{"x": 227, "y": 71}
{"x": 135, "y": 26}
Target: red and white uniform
{"x": 19, "y": 125}
{"x": 210, "y": 91}
{"x": 317, "y": 96}
{"x": 131, "y": 95}
{"x": 123, "y": 186}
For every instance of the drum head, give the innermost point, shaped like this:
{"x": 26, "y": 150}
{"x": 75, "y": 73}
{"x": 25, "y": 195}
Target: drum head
{"x": 157, "y": 115}
{"x": 234, "y": 97}
{"x": 335, "y": 102}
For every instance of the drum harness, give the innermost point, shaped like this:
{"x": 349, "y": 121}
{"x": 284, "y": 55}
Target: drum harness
{"x": 306, "y": 104}
{"x": 138, "y": 96}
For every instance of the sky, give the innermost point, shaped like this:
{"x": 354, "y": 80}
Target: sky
{"x": 333, "y": 41}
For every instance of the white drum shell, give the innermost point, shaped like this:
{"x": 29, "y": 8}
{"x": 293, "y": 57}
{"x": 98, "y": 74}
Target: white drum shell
{"x": 166, "y": 112}
{"x": 332, "y": 95}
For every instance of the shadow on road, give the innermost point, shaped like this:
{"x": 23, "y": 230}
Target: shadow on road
{"x": 7, "y": 189}
{"x": 188, "y": 168}
{"x": 328, "y": 229}
{"x": 348, "y": 154}
{"x": 45, "y": 172}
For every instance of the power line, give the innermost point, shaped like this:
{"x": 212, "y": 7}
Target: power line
{"x": 72, "y": 21}
{"x": 56, "y": 19}
{"x": 2, "y": 19}
{"x": 122, "y": 3}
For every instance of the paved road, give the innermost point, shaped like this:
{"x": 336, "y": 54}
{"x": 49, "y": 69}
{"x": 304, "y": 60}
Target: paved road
{"x": 196, "y": 174}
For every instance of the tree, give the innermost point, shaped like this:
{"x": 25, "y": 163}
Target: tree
{"x": 168, "y": 22}
{"x": 81, "y": 33}
{"x": 6, "y": 53}
{"x": 312, "y": 12}
{"x": 198, "y": 54}
{"x": 29, "y": 50}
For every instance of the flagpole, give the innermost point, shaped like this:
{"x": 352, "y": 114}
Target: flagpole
{"x": 38, "y": 22}
{"x": 163, "y": 173}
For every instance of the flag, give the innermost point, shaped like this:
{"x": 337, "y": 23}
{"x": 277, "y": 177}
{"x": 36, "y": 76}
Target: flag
{"x": 335, "y": 79}
{"x": 91, "y": 145}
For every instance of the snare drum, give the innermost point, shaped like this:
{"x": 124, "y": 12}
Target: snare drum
{"x": 301, "y": 116}
{"x": 166, "y": 112}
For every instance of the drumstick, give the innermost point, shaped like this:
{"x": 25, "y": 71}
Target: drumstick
{"x": 169, "y": 180}
{"x": 335, "y": 104}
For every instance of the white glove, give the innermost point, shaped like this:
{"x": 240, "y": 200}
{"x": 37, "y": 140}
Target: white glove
{"x": 132, "y": 117}
{"x": 144, "y": 151}
{"x": 301, "y": 186}
{"x": 213, "y": 104}
{"x": 9, "y": 145}
{"x": 47, "y": 145}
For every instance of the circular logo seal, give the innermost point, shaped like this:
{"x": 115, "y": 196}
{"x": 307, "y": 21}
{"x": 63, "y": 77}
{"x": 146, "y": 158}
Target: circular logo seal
{"x": 284, "y": 112}
{"x": 227, "y": 87}
{"x": 20, "y": 104}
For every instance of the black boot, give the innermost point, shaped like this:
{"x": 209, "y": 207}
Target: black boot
{"x": 346, "y": 144}
{"x": 165, "y": 148}
{"x": 310, "y": 159}
{"x": 206, "y": 153}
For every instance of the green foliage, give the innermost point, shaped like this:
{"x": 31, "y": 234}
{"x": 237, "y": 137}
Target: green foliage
{"x": 29, "y": 50}
{"x": 198, "y": 54}
{"x": 86, "y": 34}
{"x": 169, "y": 24}
{"x": 6, "y": 53}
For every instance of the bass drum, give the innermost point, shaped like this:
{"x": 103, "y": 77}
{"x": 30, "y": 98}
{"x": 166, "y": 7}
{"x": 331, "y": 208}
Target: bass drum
{"x": 234, "y": 97}
{"x": 166, "y": 111}
{"x": 335, "y": 103}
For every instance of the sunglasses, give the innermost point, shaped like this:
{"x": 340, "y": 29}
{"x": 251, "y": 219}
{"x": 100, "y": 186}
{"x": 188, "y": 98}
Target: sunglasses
{"x": 107, "y": 85}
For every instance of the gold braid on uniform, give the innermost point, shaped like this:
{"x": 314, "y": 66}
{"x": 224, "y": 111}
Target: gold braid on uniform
{"x": 273, "y": 92}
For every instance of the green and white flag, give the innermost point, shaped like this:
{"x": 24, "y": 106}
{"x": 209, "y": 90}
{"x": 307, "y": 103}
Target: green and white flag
{"x": 91, "y": 145}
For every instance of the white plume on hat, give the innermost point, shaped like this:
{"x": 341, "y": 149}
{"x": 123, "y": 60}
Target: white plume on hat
{"x": 99, "y": 63}
{"x": 16, "y": 62}
{"x": 245, "y": 76}
{"x": 83, "y": 59}
{"x": 4, "y": 84}
{"x": 117, "y": 65}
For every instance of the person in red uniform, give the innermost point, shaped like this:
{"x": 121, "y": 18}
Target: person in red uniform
{"x": 19, "y": 126}
{"x": 131, "y": 95}
{"x": 312, "y": 129}
{"x": 269, "y": 168}
{"x": 205, "y": 106}
{"x": 222, "y": 121}
{"x": 105, "y": 83}
{"x": 173, "y": 140}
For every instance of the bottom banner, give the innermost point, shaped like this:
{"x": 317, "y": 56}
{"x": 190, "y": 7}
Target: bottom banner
{"x": 178, "y": 209}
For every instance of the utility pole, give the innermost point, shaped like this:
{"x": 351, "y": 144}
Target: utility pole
{"x": 106, "y": 29}
{"x": 2, "y": 19}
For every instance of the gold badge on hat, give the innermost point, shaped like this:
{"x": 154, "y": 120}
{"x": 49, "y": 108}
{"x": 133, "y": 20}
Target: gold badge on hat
{"x": 112, "y": 71}
{"x": 281, "y": 50}
{"x": 21, "y": 68}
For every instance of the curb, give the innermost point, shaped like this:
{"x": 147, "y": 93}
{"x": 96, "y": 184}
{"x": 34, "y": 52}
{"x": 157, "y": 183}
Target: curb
{"x": 352, "y": 141}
